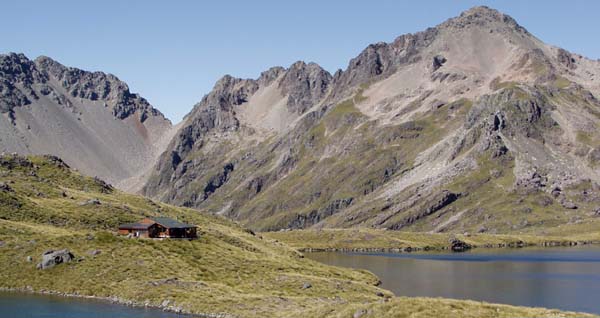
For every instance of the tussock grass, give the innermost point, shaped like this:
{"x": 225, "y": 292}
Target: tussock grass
{"x": 228, "y": 270}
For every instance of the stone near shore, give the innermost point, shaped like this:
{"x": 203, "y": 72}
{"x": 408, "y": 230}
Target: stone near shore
{"x": 457, "y": 245}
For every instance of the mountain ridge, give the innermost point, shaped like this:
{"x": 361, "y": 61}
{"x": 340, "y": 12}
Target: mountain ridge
{"x": 402, "y": 122}
{"x": 90, "y": 119}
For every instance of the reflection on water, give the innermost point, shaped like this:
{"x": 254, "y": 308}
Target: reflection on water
{"x": 564, "y": 278}
{"x": 20, "y": 305}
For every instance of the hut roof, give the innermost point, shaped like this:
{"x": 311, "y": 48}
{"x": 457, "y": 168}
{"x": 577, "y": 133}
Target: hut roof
{"x": 171, "y": 224}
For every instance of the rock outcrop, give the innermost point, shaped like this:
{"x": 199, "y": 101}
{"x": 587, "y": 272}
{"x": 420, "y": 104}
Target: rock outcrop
{"x": 53, "y": 258}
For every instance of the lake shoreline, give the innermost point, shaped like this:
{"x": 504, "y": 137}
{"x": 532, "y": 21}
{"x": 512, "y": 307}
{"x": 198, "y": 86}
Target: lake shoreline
{"x": 377, "y": 240}
{"x": 116, "y": 300}
{"x": 409, "y": 249}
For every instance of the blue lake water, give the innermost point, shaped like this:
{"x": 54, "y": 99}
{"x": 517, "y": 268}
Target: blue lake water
{"x": 562, "y": 278}
{"x": 22, "y": 305}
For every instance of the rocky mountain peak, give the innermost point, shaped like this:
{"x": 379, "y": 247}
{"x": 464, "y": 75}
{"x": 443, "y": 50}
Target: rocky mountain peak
{"x": 17, "y": 67}
{"x": 90, "y": 119}
{"x": 23, "y": 80}
{"x": 268, "y": 76}
{"x": 305, "y": 85}
{"x": 17, "y": 74}
{"x": 230, "y": 91}
{"x": 302, "y": 83}
{"x": 482, "y": 16}
{"x": 482, "y": 12}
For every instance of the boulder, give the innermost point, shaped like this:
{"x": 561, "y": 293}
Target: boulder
{"x": 437, "y": 62}
{"x": 90, "y": 202}
{"x": 52, "y": 258}
{"x": 457, "y": 245}
{"x": 569, "y": 205}
{"x": 359, "y": 313}
{"x": 545, "y": 201}
{"x": 306, "y": 285}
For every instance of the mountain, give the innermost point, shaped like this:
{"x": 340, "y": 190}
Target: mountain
{"x": 90, "y": 119}
{"x": 473, "y": 125}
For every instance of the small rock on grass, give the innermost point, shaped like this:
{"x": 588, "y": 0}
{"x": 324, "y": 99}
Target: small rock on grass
{"x": 94, "y": 252}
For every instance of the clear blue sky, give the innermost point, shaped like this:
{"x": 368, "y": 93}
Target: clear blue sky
{"x": 172, "y": 52}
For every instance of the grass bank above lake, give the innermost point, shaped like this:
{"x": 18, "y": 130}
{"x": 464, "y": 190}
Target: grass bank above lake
{"x": 396, "y": 241}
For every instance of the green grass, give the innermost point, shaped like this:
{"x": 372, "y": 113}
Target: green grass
{"x": 497, "y": 84}
{"x": 588, "y": 139}
{"x": 561, "y": 82}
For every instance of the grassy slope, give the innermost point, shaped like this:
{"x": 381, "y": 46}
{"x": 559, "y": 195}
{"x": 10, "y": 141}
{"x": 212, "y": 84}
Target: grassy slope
{"x": 228, "y": 270}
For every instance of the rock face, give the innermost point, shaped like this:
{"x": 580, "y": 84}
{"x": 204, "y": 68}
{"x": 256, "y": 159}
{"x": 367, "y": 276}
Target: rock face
{"x": 469, "y": 126}
{"x": 89, "y": 119}
{"x": 53, "y": 258}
